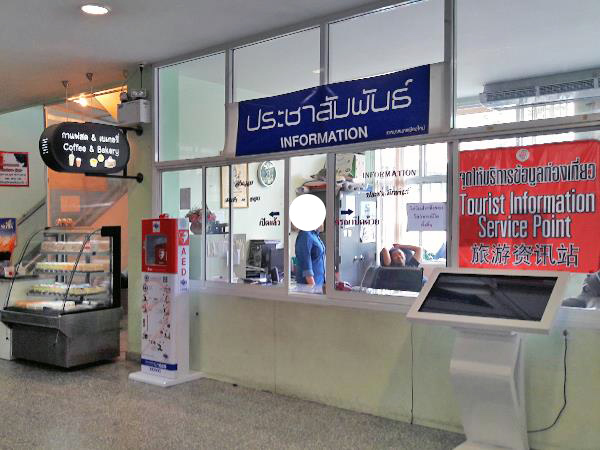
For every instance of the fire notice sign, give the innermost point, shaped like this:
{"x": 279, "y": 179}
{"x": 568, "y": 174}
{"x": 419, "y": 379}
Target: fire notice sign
{"x": 532, "y": 208}
{"x": 14, "y": 169}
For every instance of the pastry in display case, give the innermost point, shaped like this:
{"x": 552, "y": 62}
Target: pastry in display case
{"x": 67, "y": 312}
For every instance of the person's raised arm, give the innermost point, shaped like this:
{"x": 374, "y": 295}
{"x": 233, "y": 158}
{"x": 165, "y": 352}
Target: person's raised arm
{"x": 417, "y": 251}
{"x": 384, "y": 257}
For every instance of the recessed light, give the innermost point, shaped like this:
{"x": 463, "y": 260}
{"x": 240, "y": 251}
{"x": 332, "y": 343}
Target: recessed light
{"x": 95, "y": 9}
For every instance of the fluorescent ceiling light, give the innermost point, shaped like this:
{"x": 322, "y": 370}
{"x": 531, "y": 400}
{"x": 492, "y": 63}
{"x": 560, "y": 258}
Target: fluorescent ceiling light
{"x": 82, "y": 101}
{"x": 95, "y": 9}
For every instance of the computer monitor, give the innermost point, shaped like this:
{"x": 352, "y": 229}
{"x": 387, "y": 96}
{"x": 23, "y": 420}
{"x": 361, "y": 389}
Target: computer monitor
{"x": 492, "y": 299}
{"x": 272, "y": 257}
{"x": 272, "y": 262}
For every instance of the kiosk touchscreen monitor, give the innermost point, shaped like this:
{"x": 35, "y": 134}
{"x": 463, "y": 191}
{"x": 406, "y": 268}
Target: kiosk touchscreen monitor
{"x": 482, "y": 298}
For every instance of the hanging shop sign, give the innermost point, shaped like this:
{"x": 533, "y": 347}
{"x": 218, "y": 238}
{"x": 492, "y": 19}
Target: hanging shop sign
{"x": 14, "y": 169}
{"x": 84, "y": 148}
{"x": 381, "y": 107}
{"x": 533, "y": 207}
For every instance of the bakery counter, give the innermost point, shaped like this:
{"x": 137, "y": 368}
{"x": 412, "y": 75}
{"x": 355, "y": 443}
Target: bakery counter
{"x": 64, "y": 340}
{"x": 68, "y": 312}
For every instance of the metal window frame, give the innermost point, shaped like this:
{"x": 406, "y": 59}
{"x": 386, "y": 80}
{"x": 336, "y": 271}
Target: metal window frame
{"x": 453, "y": 138}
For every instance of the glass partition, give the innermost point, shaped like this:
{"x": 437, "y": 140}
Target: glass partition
{"x": 218, "y": 201}
{"x": 307, "y": 248}
{"x": 259, "y": 70}
{"x": 258, "y": 217}
{"x": 390, "y": 218}
{"x": 387, "y": 40}
{"x": 191, "y": 97}
{"x": 519, "y": 61}
{"x": 182, "y": 197}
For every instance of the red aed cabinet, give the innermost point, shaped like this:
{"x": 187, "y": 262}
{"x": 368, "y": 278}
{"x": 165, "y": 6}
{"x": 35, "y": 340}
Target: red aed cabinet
{"x": 161, "y": 242}
{"x": 165, "y": 308}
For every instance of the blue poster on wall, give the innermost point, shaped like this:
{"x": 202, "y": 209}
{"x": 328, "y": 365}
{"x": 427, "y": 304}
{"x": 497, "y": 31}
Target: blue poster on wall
{"x": 381, "y": 107}
{"x": 8, "y": 239}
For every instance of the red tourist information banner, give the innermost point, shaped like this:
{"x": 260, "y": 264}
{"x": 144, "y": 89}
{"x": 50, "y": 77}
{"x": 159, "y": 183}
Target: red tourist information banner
{"x": 531, "y": 207}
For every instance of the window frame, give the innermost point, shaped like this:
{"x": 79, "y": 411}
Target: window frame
{"x": 453, "y": 138}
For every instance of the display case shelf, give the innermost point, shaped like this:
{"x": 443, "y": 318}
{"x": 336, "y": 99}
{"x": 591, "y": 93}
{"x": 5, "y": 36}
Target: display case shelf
{"x": 84, "y": 253}
{"x": 66, "y": 271}
{"x": 61, "y": 327}
{"x": 70, "y": 296}
{"x": 67, "y": 230}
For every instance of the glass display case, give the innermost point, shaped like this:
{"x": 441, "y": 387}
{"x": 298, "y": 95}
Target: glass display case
{"x": 64, "y": 303}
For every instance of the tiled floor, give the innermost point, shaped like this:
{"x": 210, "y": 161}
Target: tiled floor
{"x": 98, "y": 407}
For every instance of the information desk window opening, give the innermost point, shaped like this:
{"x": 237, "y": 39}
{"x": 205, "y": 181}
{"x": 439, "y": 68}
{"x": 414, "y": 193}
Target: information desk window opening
{"x": 390, "y": 218}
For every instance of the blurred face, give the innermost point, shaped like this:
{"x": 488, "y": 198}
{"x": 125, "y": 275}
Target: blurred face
{"x": 398, "y": 258}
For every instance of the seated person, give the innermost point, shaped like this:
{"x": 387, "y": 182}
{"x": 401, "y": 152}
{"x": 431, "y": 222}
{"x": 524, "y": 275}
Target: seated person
{"x": 401, "y": 255}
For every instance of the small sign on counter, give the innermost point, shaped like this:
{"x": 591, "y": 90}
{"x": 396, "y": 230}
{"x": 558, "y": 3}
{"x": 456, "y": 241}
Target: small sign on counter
{"x": 426, "y": 216}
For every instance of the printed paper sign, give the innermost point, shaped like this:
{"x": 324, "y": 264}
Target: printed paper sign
{"x": 426, "y": 216}
{"x": 14, "y": 169}
{"x": 532, "y": 207}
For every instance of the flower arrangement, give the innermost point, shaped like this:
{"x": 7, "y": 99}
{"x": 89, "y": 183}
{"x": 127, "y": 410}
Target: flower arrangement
{"x": 195, "y": 216}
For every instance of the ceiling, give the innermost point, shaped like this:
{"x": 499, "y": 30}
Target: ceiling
{"x": 45, "y": 41}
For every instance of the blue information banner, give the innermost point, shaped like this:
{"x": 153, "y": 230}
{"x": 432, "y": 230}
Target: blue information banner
{"x": 382, "y": 107}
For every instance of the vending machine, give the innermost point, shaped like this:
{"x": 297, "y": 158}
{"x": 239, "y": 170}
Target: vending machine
{"x": 165, "y": 303}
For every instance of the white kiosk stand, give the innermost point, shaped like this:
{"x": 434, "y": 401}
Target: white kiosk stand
{"x": 488, "y": 308}
{"x": 165, "y": 303}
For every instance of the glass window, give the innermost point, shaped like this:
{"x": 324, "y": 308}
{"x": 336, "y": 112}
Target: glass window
{"x": 284, "y": 64}
{"x": 307, "y": 248}
{"x": 182, "y": 197}
{"x": 217, "y": 223}
{"x": 258, "y": 217}
{"x": 390, "y": 231}
{"x": 191, "y": 98}
{"x": 519, "y": 61}
{"x": 387, "y": 40}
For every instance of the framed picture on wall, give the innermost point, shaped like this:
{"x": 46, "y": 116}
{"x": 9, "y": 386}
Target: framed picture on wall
{"x": 239, "y": 195}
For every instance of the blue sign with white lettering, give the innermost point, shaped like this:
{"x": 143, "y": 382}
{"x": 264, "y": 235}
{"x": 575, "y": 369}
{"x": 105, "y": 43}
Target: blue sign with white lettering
{"x": 158, "y": 365}
{"x": 382, "y": 107}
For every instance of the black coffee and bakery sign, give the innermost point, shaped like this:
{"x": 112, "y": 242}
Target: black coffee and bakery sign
{"x": 84, "y": 148}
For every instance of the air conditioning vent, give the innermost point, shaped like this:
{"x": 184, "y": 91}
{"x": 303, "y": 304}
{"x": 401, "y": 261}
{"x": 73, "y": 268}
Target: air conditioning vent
{"x": 583, "y": 84}
{"x": 509, "y": 95}
{"x": 569, "y": 86}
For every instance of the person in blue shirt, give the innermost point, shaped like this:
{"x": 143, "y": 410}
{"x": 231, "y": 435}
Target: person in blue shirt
{"x": 310, "y": 256}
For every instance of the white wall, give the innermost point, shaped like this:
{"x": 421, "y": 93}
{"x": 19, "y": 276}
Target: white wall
{"x": 20, "y": 131}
